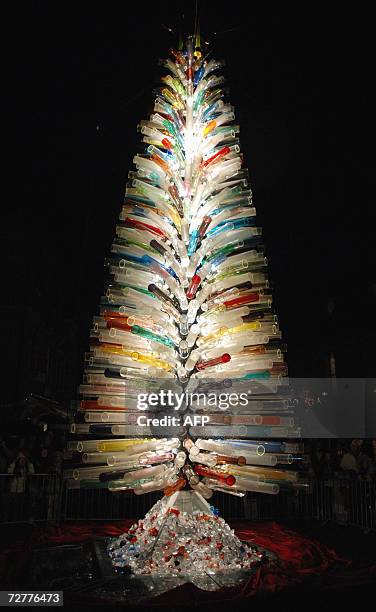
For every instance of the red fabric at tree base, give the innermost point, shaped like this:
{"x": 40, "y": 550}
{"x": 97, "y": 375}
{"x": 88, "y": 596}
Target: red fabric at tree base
{"x": 298, "y": 557}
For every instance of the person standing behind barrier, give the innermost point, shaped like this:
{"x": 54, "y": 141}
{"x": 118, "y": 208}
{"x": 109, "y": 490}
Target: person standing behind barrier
{"x": 321, "y": 462}
{"x": 373, "y": 459}
{"x": 50, "y": 460}
{"x": 6, "y": 456}
{"x": 54, "y": 488}
{"x": 19, "y": 469}
{"x": 355, "y": 462}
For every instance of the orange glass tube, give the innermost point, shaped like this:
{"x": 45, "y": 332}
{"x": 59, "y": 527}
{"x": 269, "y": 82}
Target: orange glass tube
{"x": 111, "y": 348}
{"x": 202, "y": 470}
{"x": 254, "y": 350}
{"x": 179, "y": 484}
{"x": 162, "y": 164}
{"x": 234, "y": 460}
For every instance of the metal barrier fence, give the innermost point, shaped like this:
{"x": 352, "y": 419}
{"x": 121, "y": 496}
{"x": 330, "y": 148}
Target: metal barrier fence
{"x": 100, "y": 504}
{"x": 30, "y": 498}
{"x": 43, "y": 497}
{"x": 350, "y": 502}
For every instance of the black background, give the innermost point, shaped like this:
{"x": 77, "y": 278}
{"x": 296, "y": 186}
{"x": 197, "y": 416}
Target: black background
{"x": 78, "y": 78}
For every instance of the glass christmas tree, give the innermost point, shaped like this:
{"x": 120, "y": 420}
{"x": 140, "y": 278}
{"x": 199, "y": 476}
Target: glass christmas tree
{"x": 185, "y": 378}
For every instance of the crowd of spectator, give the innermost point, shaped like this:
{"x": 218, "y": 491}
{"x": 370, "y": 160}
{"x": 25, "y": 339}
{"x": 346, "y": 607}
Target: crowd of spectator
{"x": 30, "y": 476}
{"x": 31, "y": 471}
{"x": 333, "y": 459}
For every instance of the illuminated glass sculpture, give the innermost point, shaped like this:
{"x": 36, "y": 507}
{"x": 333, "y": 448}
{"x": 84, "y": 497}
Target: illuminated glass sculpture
{"x": 185, "y": 378}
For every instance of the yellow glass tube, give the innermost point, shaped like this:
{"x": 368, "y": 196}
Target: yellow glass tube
{"x": 263, "y": 472}
{"x": 117, "y": 349}
{"x": 224, "y": 331}
{"x": 209, "y": 127}
{"x": 119, "y": 445}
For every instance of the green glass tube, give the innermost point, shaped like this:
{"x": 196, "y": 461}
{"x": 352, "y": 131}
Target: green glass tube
{"x": 256, "y": 375}
{"x": 233, "y": 271}
{"x": 198, "y": 100}
{"x": 140, "y": 289}
{"x": 226, "y": 250}
{"x": 93, "y": 484}
{"x": 142, "y": 245}
{"x": 140, "y": 331}
{"x": 120, "y": 485}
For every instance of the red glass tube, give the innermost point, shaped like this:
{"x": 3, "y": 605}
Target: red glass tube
{"x": 204, "y": 226}
{"x": 168, "y": 117}
{"x": 93, "y": 405}
{"x": 202, "y": 365}
{"x": 176, "y": 198}
{"x": 143, "y": 226}
{"x": 111, "y": 313}
{"x": 117, "y": 324}
{"x": 194, "y": 285}
{"x": 178, "y": 56}
{"x": 279, "y": 368}
{"x": 189, "y": 73}
{"x": 243, "y": 299}
{"x": 202, "y": 470}
{"x": 215, "y": 157}
{"x": 167, "y": 144}
{"x": 271, "y": 420}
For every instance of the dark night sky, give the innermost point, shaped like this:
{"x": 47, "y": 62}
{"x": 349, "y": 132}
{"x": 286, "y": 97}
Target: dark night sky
{"x": 81, "y": 77}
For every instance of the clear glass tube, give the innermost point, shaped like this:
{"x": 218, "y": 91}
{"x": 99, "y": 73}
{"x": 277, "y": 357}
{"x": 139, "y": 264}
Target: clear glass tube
{"x": 204, "y": 458}
{"x": 229, "y": 448}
